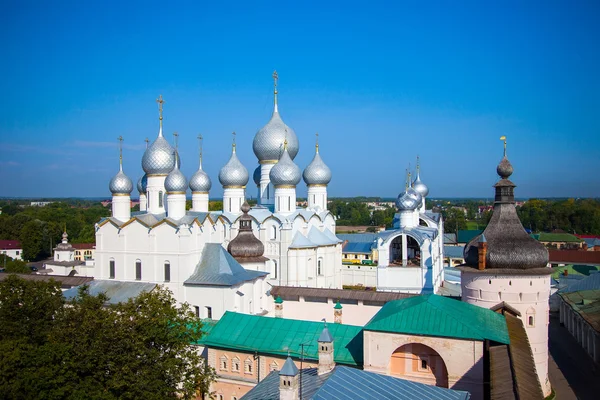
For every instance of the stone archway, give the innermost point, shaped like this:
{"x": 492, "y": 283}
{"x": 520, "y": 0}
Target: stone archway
{"x": 420, "y": 363}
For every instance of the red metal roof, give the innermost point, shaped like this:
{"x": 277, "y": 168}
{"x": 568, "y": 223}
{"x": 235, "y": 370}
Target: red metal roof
{"x": 83, "y": 246}
{"x": 10, "y": 245}
{"x": 574, "y": 257}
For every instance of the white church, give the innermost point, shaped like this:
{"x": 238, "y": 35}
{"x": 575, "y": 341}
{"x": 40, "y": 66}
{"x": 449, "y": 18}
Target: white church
{"x": 194, "y": 254}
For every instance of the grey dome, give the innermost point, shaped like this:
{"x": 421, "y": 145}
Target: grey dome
{"x": 505, "y": 168}
{"x": 410, "y": 200}
{"x": 245, "y": 246}
{"x": 420, "y": 187}
{"x": 159, "y": 157}
{"x": 268, "y": 141}
{"x": 139, "y": 186}
{"x": 120, "y": 184}
{"x": 256, "y": 176}
{"x": 317, "y": 172}
{"x": 285, "y": 172}
{"x": 175, "y": 181}
{"x": 144, "y": 183}
{"x": 233, "y": 173}
{"x": 200, "y": 181}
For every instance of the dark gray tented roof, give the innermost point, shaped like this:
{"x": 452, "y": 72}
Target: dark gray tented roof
{"x": 218, "y": 268}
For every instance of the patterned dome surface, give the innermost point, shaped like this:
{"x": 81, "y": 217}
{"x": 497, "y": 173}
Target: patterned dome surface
{"x": 139, "y": 185}
{"x": 159, "y": 157}
{"x": 175, "y": 181}
{"x": 120, "y": 184}
{"x": 233, "y": 173}
{"x": 268, "y": 141}
{"x": 256, "y": 176}
{"x": 285, "y": 172}
{"x": 409, "y": 200}
{"x": 317, "y": 172}
{"x": 420, "y": 187}
{"x": 144, "y": 183}
{"x": 200, "y": 181}
{"x": 505, "y": 168}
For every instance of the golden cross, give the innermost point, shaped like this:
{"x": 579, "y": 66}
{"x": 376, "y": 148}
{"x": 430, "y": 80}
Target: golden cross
{"x": 233, "y": 133}
{"x": 120, "y": 139}
{"x": 317, "y": 145}
{"x": 160, "y": 102}
{"x": 503, "y": 138}
{"x": 200, "y": 143}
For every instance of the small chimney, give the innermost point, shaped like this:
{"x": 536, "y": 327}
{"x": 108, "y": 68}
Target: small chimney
{"x": 565, "y": 272}
{"x": 278, "y": 307}
{"x": 289, "y": 381}
{"x": 326, "y": 362}
{"x": 482, "y": 251}
{"x": 337, "y": 313}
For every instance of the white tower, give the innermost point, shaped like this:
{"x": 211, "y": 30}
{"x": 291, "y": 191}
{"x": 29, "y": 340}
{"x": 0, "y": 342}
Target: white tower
{"x": 285, "y": 175}
{"x": 121, "y": 187}
{"x": 176, "y": 186}
{"x": 504, "y": 265}
{"x": 234, "y": 178}
{"x": 317, "y": 176}
{"x": 158, "y": 161}
{"x": 200, "y": 185}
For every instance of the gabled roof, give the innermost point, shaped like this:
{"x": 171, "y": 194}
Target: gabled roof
{"x": 419, "y": 233}
{"x": 218, "y": 268}
{"x": 358, "y": 237}
{"x": 454, "y": 251}
{"x": 591, "y": 282}
{"x": 557, "y": 237}
{"x": 289, "y": 368}
{"x": 301, "y": 242}
{"x": 10, "y": 245}
{"x": 315, "y": 238}
{"x": 116, "y": 291}
{"x": 360, "y": 248}
{"x": 433, "y": 315}
{"x": 282, "y": 336}
{"x": 354, "y": 384}
{"x": 465, "y": 236}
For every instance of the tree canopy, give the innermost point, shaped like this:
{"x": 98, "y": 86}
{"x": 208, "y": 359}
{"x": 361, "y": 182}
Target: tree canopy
{"x": 50, "y": 349}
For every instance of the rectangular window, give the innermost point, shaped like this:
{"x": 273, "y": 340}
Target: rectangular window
{"x": 160, "y": 198}
{"x": 111, "y": 269}
{"x": 209, "y": 312}
{"x": 423, "y": 365}
{"x": 17, "y": 252}
{"x": 275, "y": 269}
{"x": 167, "y": 272}
{"x": 197, "y": 308}
{"x": 138, "y": 270}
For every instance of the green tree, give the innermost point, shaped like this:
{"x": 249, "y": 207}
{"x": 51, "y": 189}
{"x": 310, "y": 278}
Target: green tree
{"x": 85, "y": 349}
{"x": 215, "y": 205}
{"x": 10, "y": 265}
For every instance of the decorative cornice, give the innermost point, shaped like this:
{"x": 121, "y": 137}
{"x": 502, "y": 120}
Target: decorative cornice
{"x": 268, "y": 161}
{"x": 317, "y": 185}
{"x": 157, "y": 175}
{"x": 234, "y": 187}
{"x": 175, "y": 192}
{"x": 199, "y": 192}
{"x": 285, "y": 186}
{"x": 121, "y": 194}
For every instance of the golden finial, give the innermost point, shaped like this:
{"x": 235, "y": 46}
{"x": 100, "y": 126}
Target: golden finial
{"x": 160, "y": 102}
{"x": 275, "y": 79}
{"x": 200, "y": 145}
{"x": 233, "y": 145}
{"x": 285, "y": 144}
{"x": 146, "y": 140}
{"x": 317, "y": 143}
{"x": 120, "y": 139}
{"x": 503, "y": 138}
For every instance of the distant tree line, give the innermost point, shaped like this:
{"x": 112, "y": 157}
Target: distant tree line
{"x": 581, "y": 216}
{"x": 39, "y": 229}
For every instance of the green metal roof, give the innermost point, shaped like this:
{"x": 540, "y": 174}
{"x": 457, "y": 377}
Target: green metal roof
{"x": 207, "y": 326}
{"x": 278, "y": 336}
{"x": 433, "y": 315}
{"x": 557, "y": 237}
{"x": 465, "y": 236}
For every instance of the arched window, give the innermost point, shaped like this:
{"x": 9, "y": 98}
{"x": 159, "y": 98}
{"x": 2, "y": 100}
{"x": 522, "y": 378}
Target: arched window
{"x": 235, "y": 364}
{"x": 248, "y": 366}
{"x": 319, "y": 270}
{"x": 167, "y": 271}
{"x": 223, "y": 363}
{"x": 273, "y": 234}
{"x": 160, "y": 198}
{"x": 111, "y": 269}
{"x": 274, "y": 366}
{"x": 138, "y": 270}
{"x": 530, "y": 320}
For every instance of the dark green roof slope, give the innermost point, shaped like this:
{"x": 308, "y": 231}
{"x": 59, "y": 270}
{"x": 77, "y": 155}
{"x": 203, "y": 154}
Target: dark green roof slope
{"x": 465, "y": 236}
{"x": 278, "y": 336}
{"x": 207, "y": 326}
{"x": 557, "y": 237}
{"x": 433, "y": 315}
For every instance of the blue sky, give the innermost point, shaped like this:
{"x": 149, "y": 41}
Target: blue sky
{"x": 382, "y": 82}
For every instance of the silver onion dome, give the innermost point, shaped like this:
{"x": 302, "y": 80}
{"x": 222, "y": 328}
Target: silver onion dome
{"x": 139, "y": 185}
{"x": 144, "y": 183}
{"x": 268, "y": 141}
{"x": 175, "y": 182}
{"x": 120, "y": 184}
{"x": 233, "y": 173}
{"x": 317, "y": 172}
{"x": 410, "y": 200}
{"x": 285, "y": 172}
{"x": 200, "y": 181}
{"x": 159, "y": 157}
{"x": 420, "y": 187}
{"x": 505, "y": 168}
{"x": 256, "y": 176}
